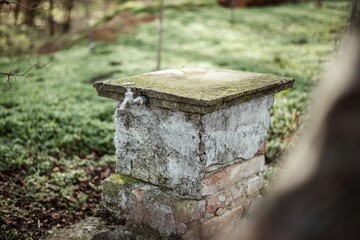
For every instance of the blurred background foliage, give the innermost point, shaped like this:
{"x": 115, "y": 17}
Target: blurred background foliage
{"x": 56, "y": 133}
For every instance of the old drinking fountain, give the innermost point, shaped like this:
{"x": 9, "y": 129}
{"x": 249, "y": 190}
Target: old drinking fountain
{"x": 190, "y": 148}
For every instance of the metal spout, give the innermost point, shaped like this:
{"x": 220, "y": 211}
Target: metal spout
{"x": 129, "y": 98}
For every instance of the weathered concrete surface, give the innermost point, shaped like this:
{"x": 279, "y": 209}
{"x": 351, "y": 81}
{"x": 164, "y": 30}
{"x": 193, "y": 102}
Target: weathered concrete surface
{"x": 196, "y": 90}
{"x": 160, "y": 147}
{"x": 96, "y": 228}
{"x": 175, "y": 149}
{"x": 236, "y": 132}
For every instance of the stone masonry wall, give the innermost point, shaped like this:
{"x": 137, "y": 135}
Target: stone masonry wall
{"x": 227, "y": 194}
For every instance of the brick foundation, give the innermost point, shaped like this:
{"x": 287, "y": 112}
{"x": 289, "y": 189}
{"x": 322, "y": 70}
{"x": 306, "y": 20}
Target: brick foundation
{"x": 226, "y": 197}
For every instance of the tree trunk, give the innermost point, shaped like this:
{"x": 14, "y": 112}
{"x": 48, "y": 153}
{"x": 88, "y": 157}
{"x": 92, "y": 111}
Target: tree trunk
{"x": 1, "y": 6}
{"x": 17, "y": 11}
{"x": 69, "y": 4}
{"x": 91, "y": 44}
{"x": 29, "y": 11}
{"x": 233, "y": 6}
{"x": 51, "y": 18}
{"x": 160, "y": 35}
{"x": 318, "y": 3}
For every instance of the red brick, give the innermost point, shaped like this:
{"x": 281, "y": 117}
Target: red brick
{"x": 192, "y": 232}
{"x": 238, "y": 195}
{"x": 216, "y": 178}
{"x": 254, "y": 185}
{"x": 188, "y": 210}
{"x": 219, "y": 200}
{"x": 230, "y": 175}
{"x": 262, "y": 150}
{"x": 214, "y": 182}
{"x": 220, "y": 211}
{"x": 214, "y": 225}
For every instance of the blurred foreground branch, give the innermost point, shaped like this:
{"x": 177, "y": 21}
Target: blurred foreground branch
{"x": 354, "y": 12}
{"x": 319, "y": 195}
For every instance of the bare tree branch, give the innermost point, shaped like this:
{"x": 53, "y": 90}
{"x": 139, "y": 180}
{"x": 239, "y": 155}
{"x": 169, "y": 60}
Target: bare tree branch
{"x": 9, "y": 3}
{"x": 13, "y": 74}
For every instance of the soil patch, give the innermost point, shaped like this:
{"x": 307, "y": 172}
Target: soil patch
{"x": 102, "y": 77}
{"x": 24, "y": 214}
{"x": 109, "y": 31}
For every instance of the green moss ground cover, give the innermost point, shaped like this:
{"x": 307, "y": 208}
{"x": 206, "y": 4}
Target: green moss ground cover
{"x": 55, "y": 130}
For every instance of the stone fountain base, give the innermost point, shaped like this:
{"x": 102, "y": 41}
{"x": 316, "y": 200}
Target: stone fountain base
{"x": 227, "y": 195}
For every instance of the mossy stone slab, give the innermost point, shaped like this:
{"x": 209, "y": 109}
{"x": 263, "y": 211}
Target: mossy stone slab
{"x": 196, "y": 90}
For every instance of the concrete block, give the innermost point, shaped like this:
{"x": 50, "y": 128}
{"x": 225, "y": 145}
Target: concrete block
{"x": 175, "y": 149}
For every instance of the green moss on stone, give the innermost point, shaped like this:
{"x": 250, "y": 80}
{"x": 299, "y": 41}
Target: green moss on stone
{"x": 200, "y": 83}
{"x": 120, "y": 179}
{"x": 112, "y": 184}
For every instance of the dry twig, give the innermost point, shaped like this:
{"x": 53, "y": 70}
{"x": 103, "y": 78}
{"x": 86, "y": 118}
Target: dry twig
{"x": 13, "y": 74}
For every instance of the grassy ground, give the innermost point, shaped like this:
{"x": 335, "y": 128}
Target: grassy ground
{"x": 55, "y": 130}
